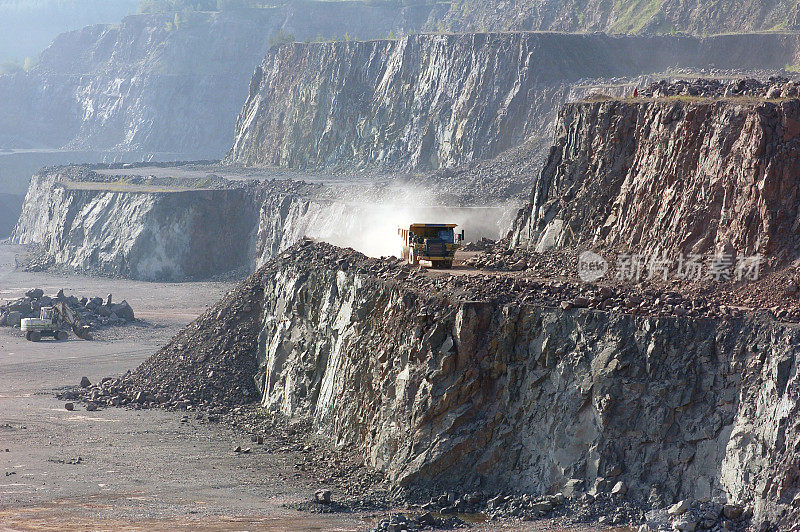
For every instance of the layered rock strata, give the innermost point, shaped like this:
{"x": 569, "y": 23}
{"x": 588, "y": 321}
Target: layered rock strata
{"x": 666, "y": 176}
{"x": 167, "y": 83}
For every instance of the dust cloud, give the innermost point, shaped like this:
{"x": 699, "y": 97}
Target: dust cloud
{"x": 370, "y": 225}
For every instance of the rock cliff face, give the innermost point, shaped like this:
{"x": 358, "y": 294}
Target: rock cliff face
{"x": 625, "y": 16}
{"x": 141, "y": 234}
{"x": 447, "y": 392}
{"x": 431, "y": 101}
{"x": 669, "y": 177}
{"x": 166, "y": 83}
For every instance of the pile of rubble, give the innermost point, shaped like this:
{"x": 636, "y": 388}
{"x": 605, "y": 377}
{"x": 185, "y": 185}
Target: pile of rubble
{"x": 484, "y": 244}
{"x": 772, "y": 88}
{"x": 93, "y": 312}
{"x": 688, "y": 516}
{"x": 412, "y": 523}
{"x": 210, "y": 364}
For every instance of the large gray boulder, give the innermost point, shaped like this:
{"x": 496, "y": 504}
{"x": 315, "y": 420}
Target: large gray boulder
{"x": 123, "y": 310}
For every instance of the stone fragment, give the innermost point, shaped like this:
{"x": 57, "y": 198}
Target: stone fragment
{"x": 580, "y": 302}
{"x": 34, "y": 293}
{"x": 684, "y": 524}
{"x": 732, "y": 511}
{"x": 679, "y": 508}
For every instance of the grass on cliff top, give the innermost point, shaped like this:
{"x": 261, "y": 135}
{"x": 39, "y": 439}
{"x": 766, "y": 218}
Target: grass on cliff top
{"x": 634, "y": 15}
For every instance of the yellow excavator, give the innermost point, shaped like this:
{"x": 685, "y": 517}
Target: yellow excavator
{"x": 431, "y": 245}
{"x": 51, "y": 322}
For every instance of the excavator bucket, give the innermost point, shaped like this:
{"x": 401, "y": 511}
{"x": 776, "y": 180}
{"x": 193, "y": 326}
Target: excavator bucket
{"x": 82, "y": 332}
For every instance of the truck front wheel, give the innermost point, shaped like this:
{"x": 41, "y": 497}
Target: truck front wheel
{"x": 35, "y": 336}
{"x": 61, "y": 335}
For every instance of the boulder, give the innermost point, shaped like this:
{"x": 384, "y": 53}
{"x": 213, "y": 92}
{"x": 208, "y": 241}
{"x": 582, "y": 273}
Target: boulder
{"x": 34, "y": 293}
{"x": 732, "y": 511}
{"x": 13, "y": 318}
{"x": 572, "y": 488}
{"x": 679, "y": 508}
{"x": 685, "y": 524}
{"x": 323, "y": 496}
{"x": 123, "y": 310}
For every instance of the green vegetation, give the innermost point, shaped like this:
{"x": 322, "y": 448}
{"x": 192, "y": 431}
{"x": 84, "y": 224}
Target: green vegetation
{"x": 172, "y": 6}
{"x": 12, "y": 66}
{"x": 792, "y": 68}
{"x": 280, "y": 38}
{"x": 169, "y": 6}
{"x": 634, "y": 14}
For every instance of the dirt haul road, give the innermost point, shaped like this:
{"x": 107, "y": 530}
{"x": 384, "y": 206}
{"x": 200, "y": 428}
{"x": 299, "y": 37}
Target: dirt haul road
{"x": 117, "y": 468}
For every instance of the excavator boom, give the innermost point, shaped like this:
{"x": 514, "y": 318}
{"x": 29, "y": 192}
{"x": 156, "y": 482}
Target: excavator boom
{"x": 70, "y": 317}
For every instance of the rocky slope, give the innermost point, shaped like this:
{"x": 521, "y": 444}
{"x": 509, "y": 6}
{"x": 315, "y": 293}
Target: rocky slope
{"x": 442, "y": 384}
{"x": 670, "y": 177}
{"x": 431, "y": 101}
{"x": 625, "y": 16}
{"x": 166, "y": 83}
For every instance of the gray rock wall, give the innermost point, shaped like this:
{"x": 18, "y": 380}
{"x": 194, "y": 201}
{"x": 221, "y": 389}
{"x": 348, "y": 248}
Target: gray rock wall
{"x": 474, "y": 394}
{"x": 432, "y": 101}
{"x": 149, "y": 235}
{"x": 92, "y": 223}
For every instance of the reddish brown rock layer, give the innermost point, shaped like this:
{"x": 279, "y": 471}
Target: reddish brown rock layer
{"x": 669, "y": 177}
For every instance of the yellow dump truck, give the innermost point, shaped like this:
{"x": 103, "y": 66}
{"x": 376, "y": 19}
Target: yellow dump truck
{"x": 431, "y": 245}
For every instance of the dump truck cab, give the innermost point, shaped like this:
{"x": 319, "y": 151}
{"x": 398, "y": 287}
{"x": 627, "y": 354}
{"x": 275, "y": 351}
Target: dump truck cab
{"x": 431, "y": 245}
